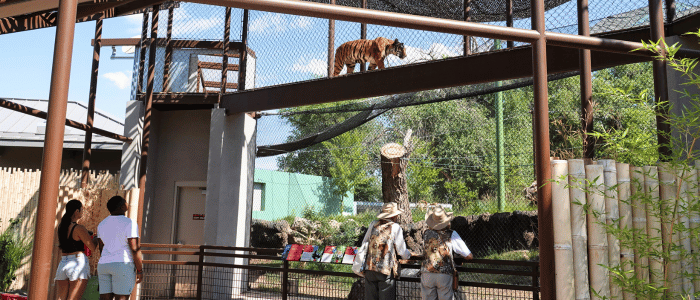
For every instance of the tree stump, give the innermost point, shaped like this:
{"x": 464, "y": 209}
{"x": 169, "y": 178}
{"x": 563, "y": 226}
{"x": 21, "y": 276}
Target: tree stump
{"x": 394, "y": 184}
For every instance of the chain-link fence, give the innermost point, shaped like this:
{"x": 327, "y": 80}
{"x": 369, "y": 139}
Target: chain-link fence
{"x": 318, "y": 165}
{"x": 288, "y": 48}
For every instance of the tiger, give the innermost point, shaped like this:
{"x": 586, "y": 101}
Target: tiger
{"x": 361, "y": 51}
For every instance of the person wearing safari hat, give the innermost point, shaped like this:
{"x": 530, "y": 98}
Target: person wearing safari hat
{"x": 385, "y": 240}
{"x": 438, "y": 267}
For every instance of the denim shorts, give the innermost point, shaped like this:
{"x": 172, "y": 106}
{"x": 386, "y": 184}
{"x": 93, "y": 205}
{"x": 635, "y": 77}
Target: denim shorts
{"x": 73, "y": 267}
{"x": 116, "y": 278}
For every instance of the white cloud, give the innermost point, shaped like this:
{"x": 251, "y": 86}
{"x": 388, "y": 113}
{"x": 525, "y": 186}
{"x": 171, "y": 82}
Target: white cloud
{"x": 120, "y": 79}
{"x": 314, "y": 66}
{"x": 273, "y": 22}
{"x": 434, "y": 52}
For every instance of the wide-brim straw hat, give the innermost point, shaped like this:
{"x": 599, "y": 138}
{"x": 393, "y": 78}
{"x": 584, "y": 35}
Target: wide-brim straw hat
{"x": 389, "y": 210}
{"x": 437, "y": 218}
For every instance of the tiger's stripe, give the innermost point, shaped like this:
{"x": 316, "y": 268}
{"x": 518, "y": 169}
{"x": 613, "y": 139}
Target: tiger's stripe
{"x": 361, "y": 51}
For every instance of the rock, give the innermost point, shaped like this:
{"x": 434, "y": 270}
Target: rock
{"x": 266, "y": 234}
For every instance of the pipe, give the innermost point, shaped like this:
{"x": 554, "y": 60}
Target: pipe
{"x": 87, "y": 147}
{"x": 541, "y": 133}
{"x": 656, "y": 23}
{"x": 147, "y": 114}
{"x": 243, "y": 59}
{"x": 612, "y": 215}
{"x": 623, "y": 190}
{"x": 597, "y": 237}
{"x": 352, "y": 14}
{"x": 563, "y": 254}
{"x": 363, "y": 35}
{"x": 331, "y": 44}
{"x": 77, "y": 125}
{"x": 224, "y": 57}
{"x": 42, "y": 251}
{"x": 639, "y": 222}
{"x": 509, "y": 19}
{"x": 142, "y": 53}
{"x": 579, "y": 233}
{"x": 168, "y": 50}
{"x": 467, "y": 40}
{"x": 585, "y": 81}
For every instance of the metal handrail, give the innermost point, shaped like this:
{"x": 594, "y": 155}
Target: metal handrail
{"x": 285, "y": 269}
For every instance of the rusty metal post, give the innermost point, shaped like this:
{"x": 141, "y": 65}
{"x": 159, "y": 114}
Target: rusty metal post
{"x": 42, "y": 252}
{"x": 142, "y": 54}
{"x": 656, "y": 20}
{"x": 544, "y": 191}
{"x": 331, "y": 44}
{"x": 670, "y": 11}
{"x": 585, "y": 82}
{"x": 363, "y": 35}
{"x": 168, "y": 50}
{"x": 200, "y": 272}
{"x": 147, "y": 113}
{"x": 87, "y": 146}
{"x": 509, "y": 19}
{"x": 467, "y": 40}
{"x": 226, "y": 49}
{"x": 243, "y": 60}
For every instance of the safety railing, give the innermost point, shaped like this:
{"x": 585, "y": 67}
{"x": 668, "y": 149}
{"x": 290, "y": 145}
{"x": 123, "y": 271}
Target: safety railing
{"x": 214, "y": 272}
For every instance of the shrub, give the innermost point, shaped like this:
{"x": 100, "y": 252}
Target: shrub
{"x": 14, "y": 248}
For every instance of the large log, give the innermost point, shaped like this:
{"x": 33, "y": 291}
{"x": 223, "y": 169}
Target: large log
{"x": 394, "y": 185}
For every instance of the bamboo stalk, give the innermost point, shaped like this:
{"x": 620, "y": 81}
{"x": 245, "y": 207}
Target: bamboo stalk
{"x": 623, "y": 202}
{"x": 695, "y": 225}
{"x": 688, "y": 190}
{"x": 653, "y": 210}
{"x": 597, "y": 237}
{"x": 639, "y": 221}
{"x": 563, "y": 255}
{"x": 668, "y": 193}
{"x": 612, "y": 215}
{"x": 579, "y": 233}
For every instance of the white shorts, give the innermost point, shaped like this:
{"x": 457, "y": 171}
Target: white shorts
{"x": 73, "y": 267}
{"x": 116, "y": 278}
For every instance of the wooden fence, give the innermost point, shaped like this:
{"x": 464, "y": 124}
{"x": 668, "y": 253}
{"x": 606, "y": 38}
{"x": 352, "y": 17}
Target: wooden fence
{"x": 19, "y": 196}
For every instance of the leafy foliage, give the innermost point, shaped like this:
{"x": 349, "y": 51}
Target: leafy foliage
{"x": 14, "y": 248}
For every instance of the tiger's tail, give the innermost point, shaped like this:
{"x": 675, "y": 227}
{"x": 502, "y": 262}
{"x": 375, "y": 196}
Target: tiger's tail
{"x": 339, "y": 61}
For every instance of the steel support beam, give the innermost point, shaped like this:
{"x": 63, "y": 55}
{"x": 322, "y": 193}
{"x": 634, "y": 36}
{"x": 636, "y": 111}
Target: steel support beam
{"x": 509, "y": 19}
{"x": 585, "y": 82}
{"x": 543, "y": 170}
{"x": 147, "y": 114}
{"x": 351, "y": 14}
{"x": 416, "y": 77}
{"x": 244, "y": 51}
{"x": 77, "y": 125}
{"x": 42, "y": 251}
{"x": 224, "y": 52}
{"x": 331, "y": 44}
{"x": 168, "y": 50}
{"x": 363, "y": 34}
{"x": 656, "y": 23}
{"x": 87, "y": 146}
